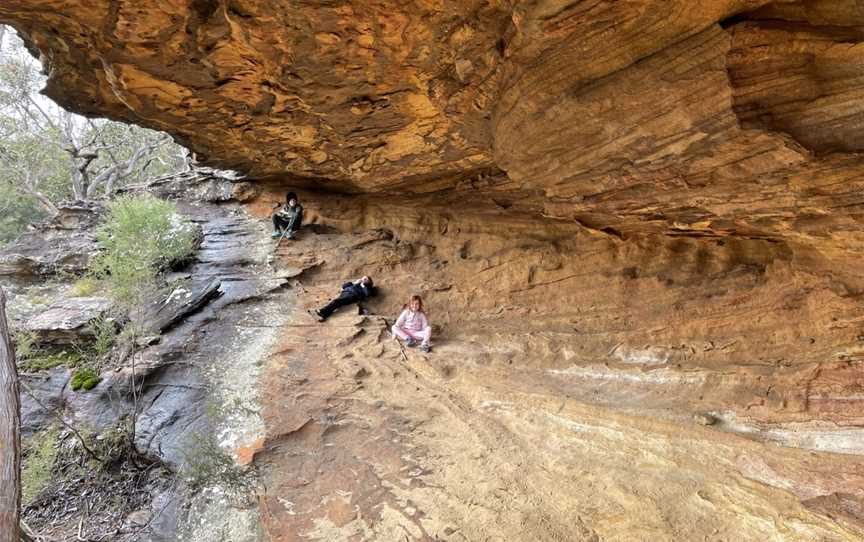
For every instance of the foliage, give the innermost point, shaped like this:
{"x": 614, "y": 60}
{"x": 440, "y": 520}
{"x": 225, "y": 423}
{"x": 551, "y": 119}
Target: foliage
{"x": 112, "y": 446}
{"x": 40, "y": 452}
{"x": 104, "y": 332}
{"x": 25, "y": 344}
{"x": 87, "y": 499}
{"x": 32, "y": 358}
{"x": 48, "y": 154}
{"x": 140, "y": 237}
{"x": 85, "y": 379}
{"x": 44, "y": 360}
{"x": 208, "y": 464}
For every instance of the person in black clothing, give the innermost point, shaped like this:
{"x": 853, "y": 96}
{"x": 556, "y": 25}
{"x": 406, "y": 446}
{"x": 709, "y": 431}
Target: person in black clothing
{"x": 352, "y": 292}
{"x": 289, "y": 217}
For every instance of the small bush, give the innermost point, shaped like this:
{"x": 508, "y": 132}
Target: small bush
{"x": 85, "y": 379}
{"x": 207, "y": 463}
{"x": 40, "y": 452}
{"x": 140, "y": 237}
{"x": 112, "y": 445}
{"x": 104, "y": 332}
{"x": 25, "y": 344}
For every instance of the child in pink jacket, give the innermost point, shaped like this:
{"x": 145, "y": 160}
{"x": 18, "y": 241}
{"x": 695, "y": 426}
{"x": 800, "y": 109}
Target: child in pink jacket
{"x": 413, "y": 326}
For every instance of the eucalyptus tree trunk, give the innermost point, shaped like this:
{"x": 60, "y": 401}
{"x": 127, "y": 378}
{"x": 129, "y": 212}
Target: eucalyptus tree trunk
{"x": 10, "y": 435}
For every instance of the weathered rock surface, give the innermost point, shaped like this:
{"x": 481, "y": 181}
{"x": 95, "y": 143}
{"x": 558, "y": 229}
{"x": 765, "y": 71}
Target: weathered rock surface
{"x": 200, "y": 184}
{"x": 69, "y": 320}
{"x": 623, "y": 115}
{"x": 179, "y": 302}
{"x": 800, "y": 79}
{"x": 64, "y": 244}
{"x": 47, "y": 388}
{"x": 103, "y": 406}
{"x": 194, "y": 376}
{"x": 567, "y": 365}
{"x": 620, "y": 214}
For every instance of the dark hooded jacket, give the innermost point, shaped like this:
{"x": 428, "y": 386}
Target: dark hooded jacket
{"x": 357, "y": 291}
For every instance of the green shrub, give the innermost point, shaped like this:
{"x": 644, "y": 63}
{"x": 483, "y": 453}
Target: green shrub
{"x": 140, "y": 237}
{"x": 112, "y": 445}
{"x": 40, "y": 451}
{"x": 207, "y": 463}
{"x": 85, "y": 379}
{"x": 25, "y": 344}
{"x": 104, "y": 332}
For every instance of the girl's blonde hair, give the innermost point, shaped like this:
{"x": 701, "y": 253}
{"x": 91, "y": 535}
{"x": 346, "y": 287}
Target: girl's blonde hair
{"x": 413, "y": 297}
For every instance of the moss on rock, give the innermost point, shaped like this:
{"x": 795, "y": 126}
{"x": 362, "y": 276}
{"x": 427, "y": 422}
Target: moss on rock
{"x": 85, "y": 379}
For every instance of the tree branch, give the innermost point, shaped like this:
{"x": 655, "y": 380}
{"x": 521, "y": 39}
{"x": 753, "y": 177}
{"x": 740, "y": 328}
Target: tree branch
{"x": 30, "y": 187}
{"x": 123, "y": 169}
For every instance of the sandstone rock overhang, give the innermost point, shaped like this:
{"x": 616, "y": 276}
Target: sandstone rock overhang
{"x": 723, "y": 116}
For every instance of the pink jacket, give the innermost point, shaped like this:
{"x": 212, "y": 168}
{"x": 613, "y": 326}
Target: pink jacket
{"x": 412, "y": 321}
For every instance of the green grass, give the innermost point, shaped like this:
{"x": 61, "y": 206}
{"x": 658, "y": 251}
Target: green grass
{"x": 25, "y": 344}
{"x": 40, "y": 452}
{"x": 41, "y": 360}
{"x": 104, "y": 332}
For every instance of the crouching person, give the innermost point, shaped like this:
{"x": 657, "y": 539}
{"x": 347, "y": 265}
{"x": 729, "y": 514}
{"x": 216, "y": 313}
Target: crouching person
{"x": 412, "y": 326}
{"x": 352, "y": 292}
{"x": 289, "y": 218}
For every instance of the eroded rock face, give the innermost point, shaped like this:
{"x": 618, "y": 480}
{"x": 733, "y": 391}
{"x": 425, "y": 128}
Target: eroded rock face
{"x": 621, "y": 215}
{"x": 63, "y": 244}
{"x": 69, "y": 320}
{"x": 593, "y": 108}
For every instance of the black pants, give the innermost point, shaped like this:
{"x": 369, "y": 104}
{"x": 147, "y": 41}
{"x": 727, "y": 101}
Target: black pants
{"x": 282, "y": 223}
{"x": 341, "y": 301}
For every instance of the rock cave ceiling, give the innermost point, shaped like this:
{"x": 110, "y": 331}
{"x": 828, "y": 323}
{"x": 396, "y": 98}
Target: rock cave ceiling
{"x": 718, "y": 117}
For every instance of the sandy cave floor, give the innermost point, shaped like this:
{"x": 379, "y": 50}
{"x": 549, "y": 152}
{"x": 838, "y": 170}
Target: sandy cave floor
{"x": 370, "y": 441}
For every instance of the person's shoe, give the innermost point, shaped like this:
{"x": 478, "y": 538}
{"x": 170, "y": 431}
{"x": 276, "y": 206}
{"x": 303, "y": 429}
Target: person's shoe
{"x": 289, "y": 235}
{"x": 410, "y": 343}
{"x": 275, "y": 235}
{"x": 317, "y": 315}
{"x": 425, "y": 348}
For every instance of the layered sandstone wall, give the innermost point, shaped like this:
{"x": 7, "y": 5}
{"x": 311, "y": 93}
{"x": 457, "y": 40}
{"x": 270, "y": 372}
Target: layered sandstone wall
{"x": 719, "y": 115}
{"x": 652, "y": 207}
{"x": 676, "y": 175}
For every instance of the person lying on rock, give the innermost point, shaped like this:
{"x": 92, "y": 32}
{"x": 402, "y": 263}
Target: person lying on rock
{"x": 289, "y": 218}
{"x": 352, "y": 292}
{"x": 412, "y": 326}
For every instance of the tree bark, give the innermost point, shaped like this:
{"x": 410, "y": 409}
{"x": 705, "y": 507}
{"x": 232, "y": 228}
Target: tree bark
{"x": 10, "y": 435}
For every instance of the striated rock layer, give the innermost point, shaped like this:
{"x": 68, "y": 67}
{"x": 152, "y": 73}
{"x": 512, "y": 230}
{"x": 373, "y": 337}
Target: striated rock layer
{"x": 613, "y": 113}
{"x": 624, "y": 216}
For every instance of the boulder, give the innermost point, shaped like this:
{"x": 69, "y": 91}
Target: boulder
{"x": 200, "y": 184}
{"x": 68, "y": 320}
{"x": 180, "y": 302}
{"x": 172, "y": 419}
{"x": 103, "y": 406}
{"x": 63, "y": 244}
{"x": 48, "y": 389}
{"x": 41, "y": 253}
